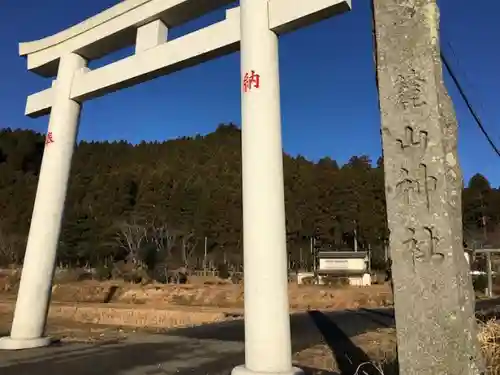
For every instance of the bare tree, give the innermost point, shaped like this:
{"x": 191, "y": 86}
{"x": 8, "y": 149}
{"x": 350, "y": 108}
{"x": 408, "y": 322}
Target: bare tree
{"x": 130, "y": 237}
{"x": 146, "y": 243}
{"x": 188, "y": 246}
{"x": 163, "y": 238}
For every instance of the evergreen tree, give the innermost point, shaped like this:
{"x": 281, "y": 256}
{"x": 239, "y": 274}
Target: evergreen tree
{"x": 180, "y": 191}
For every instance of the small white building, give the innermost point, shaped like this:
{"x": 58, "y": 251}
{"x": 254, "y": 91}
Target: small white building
{"x": 350, "y": 264}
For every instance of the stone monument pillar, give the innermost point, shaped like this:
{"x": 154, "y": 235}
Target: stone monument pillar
{"x": 434, "y": 300}
{"x": 267, "y": 321}
{"x": 36, "y": 280}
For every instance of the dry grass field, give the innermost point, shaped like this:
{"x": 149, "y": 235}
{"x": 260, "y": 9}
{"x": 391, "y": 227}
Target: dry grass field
{"x": 96, "y": 311}
{"x": 202, "y": 300}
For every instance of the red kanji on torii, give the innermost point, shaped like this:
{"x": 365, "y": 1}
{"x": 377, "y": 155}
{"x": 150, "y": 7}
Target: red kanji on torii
{"x": 251, "y": 80}
{"x": 49, "y": 138}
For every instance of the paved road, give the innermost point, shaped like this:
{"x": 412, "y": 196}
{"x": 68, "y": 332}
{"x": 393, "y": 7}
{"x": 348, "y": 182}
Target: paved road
{"x": 205, "y": 350}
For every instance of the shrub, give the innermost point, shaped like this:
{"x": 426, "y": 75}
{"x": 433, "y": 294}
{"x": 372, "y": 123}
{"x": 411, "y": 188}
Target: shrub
{"x": 130, "y": 273}
{"x": 309, "y": 280}
{"x": 480, "y": 283}
{"x": 223, "y": 271}
{"x": 178, "y": 276}
{"x": 159, "y": 274}
{"x": 102, "y": 273}
{"x": 236, "y": 278}
{"x": 11, "y": 281}
{"x": 69, "y": 275}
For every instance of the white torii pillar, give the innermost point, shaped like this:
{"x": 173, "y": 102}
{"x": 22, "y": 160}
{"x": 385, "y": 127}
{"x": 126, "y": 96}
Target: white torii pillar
{"x": 268, "y": 344}
{"x": 267, "y": 320}
{"x": 33, "y": 298}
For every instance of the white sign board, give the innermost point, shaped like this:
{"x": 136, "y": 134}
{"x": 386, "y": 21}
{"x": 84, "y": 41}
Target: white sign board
{"x": 349, "y": 265}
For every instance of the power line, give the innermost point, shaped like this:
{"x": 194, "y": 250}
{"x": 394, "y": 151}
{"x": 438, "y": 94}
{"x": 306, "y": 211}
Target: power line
{"x": 468, "y": 104}
{"x": 455, "y": 80}
{"x": 463, "y": 73}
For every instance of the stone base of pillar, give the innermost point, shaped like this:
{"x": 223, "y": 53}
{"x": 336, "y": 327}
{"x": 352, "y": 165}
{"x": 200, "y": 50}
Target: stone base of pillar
{"x": 242, "y": 370}
{"x": 8, "y": 343}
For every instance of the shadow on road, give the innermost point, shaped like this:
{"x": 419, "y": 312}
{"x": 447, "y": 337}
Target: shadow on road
{"x": 348, "y": 356}
{"x": 205, "y": 350}
{"x": 209, "y": 349}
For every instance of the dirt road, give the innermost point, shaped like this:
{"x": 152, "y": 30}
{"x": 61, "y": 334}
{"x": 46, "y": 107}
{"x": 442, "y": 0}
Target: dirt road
{"x": 208, "y": 349}
{"x": 204, "y": 350}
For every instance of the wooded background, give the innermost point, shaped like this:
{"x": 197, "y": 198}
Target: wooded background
{"x": 140, "y": 201}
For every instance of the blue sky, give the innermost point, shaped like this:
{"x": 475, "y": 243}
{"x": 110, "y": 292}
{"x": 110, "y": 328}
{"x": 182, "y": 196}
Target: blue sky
{"x": 329, "y": 98}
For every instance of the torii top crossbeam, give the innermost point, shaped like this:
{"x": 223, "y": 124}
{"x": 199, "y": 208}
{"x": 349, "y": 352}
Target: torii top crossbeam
{"x": 117, "y": 27}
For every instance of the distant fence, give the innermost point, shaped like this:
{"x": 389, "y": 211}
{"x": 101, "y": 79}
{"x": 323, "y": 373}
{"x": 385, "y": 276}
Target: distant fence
{"x": 210, "y": 273}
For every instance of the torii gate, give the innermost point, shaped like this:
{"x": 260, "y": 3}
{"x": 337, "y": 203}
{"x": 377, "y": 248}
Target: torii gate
{"x": 255, "y": 25}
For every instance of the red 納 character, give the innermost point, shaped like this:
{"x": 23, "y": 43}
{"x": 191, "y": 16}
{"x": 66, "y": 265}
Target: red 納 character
{"x": 49, "y": 138}
{"x": 251, "y": 80}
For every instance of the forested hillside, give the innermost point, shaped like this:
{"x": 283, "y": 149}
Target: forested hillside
{"x": 128, "y": 201}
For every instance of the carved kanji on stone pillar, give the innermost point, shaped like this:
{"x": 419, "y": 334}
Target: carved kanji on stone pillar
{"x": 432, "y": 286}
{"x": 414, "y": 176}
{"x": 423, "y": 245}
{"x": 420, "y": 183}
{"x": 414, "y": 140}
